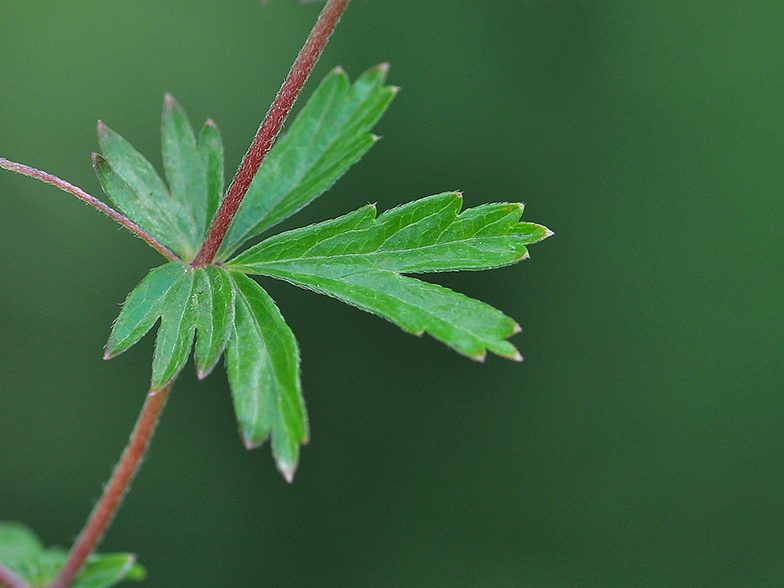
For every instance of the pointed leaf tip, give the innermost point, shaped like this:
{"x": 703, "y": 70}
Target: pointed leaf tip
{"x": 102, "y": 130}
{"x": 287, "y": 470}
{"x": 250, "y": 444}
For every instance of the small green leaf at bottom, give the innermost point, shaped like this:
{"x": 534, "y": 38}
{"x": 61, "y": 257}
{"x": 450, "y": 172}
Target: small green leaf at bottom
{"x": 23, "y": 553}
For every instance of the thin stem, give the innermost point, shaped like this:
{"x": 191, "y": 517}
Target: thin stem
{"x": 269, "y": 129}
{"x": 10, "y": 580}
{"x": 116, "y": 488}
{"x": 92, "y": 201}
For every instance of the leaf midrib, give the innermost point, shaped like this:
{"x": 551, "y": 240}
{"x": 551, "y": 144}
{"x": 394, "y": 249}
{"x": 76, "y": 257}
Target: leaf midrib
{"x": 376, "y": 252}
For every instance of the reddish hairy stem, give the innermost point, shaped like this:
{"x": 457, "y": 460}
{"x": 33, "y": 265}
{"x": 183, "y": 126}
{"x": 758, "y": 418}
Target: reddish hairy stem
{"x": 31, "y": 172}
{"x": 269, "y": 129}
{"x": 116, "y": 488}
{"x": 10, "y": 580}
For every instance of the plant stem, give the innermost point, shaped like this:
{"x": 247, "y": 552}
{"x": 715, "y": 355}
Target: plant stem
{"x": 10, "y": 580}
{"x": 116, "y": 488}
{"x": 92, "y": 201}
{"x": 269, "y": 129}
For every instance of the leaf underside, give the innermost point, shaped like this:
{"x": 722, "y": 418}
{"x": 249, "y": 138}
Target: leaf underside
{"x": 358, "y": 258}
{"x": 22, "y": 552}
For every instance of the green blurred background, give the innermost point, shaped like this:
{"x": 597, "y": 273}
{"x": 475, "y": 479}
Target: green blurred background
{"x": 640, "y": 443}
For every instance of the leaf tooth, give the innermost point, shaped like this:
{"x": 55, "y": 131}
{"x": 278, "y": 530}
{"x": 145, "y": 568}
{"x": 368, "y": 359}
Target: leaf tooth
{"x": 287, "y": 470}
{"x": 250, "y": 443}
{"x": 516, "y": 356}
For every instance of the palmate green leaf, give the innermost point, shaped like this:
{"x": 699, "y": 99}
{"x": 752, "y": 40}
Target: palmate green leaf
{"x": 226, "y": 312}
{"x": 176, "y": 216}
{"x": 358, "y": 259}
{"x": 329, "y": 135}
{"x": 22, "y": 552}
{"x": 262, "y": 361}
{"x": 187, "y": 300}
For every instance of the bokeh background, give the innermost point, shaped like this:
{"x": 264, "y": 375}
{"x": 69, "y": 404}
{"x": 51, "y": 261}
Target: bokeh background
{"x": 640, "y": 443}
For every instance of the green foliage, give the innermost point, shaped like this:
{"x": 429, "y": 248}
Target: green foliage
{"x": 330, "y": 134}
{"x": 262, "y": 360}
{"x": 22, "y": 552}
{"x": 178, "y": 216}
{"x": 356, "y": 258}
